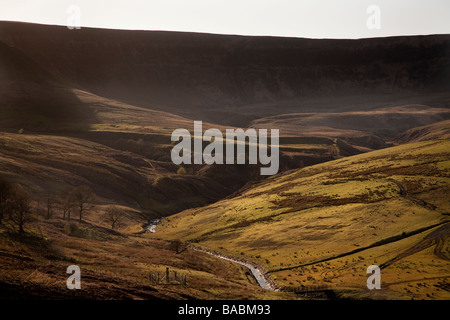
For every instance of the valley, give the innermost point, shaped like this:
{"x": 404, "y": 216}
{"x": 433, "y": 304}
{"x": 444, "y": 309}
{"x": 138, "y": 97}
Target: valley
{"x": 325, "y": 223}
{"x": 363, "y": 177}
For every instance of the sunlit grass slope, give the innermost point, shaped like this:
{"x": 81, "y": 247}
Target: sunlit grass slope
{"x": 341, "y": 215}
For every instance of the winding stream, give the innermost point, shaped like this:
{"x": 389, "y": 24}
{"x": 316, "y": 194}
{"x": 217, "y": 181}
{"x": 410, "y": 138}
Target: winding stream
{"x": 259, "y": 276}
{"x": 263, "y": 280}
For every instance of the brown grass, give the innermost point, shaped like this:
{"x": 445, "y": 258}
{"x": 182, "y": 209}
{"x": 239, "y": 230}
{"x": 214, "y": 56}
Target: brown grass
{"x": 113, "y": 266}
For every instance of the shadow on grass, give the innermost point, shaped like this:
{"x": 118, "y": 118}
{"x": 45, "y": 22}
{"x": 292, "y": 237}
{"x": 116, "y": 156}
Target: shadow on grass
{"x": 37, "y": 244}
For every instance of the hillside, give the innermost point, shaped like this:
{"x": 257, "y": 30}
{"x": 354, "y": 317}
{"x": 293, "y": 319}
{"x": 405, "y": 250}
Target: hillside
{"x": 49, "y": 164}
{"x": 366, "y": 130}
{"x": 326, "y": 223}
{"x": 114, "y": 266}
{"x": 32, "y": 98}
{"x": 73, "y": 137}
{"x": 35, "y": 101}
{"x": 71, "y": 83}
{"x": 235, "y": 79}
{"x": 432, "y": 131}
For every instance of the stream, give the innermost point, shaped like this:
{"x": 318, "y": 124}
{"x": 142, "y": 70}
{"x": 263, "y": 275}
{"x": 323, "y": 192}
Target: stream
{"x": 260, "y": 276}
{"x": 257, "y": 274}
{"x": 151, "y": 227}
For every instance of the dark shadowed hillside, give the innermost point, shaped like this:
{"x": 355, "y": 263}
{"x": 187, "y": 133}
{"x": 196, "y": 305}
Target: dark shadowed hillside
{"x": 31, "y": 97}
{"x": 235, "y": 79}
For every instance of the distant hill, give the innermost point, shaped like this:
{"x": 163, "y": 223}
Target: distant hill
{"x": 364, "y": 129}
{"x": 32, "y": 98}
{"x": 438, "y": 130}
{"x": 235, "y": 79}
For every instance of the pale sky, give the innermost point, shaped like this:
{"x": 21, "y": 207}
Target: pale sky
{"x": 294, "y": 18}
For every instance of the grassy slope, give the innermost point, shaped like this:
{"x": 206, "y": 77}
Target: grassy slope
{"x": 113, "y": 266}
{"x": 332, "y": 209}
{"x": 47, "y": 164}
{"x": 436, "y": 130}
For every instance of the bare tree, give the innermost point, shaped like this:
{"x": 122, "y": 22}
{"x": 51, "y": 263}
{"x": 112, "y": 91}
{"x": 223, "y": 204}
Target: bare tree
{"x": 19, "y": 208}
{"x": 66, "y": 202}
{"x": 177, "y": 245}
{"x": 114, "y": 216}
{"x": 82, "y": 197}
{"x": 5, "y": 192}
{"x": 49, "y": 206}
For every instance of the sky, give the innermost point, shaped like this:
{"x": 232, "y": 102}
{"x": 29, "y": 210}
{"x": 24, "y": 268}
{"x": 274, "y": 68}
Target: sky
{"x": 293, "y": 18}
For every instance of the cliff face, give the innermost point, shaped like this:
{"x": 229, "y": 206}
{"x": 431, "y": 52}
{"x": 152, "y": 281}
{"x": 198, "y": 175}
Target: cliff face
{"x": 218, "y": 77}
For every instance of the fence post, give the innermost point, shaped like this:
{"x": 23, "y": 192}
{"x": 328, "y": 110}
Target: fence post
{"x": 167, "y": 275}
